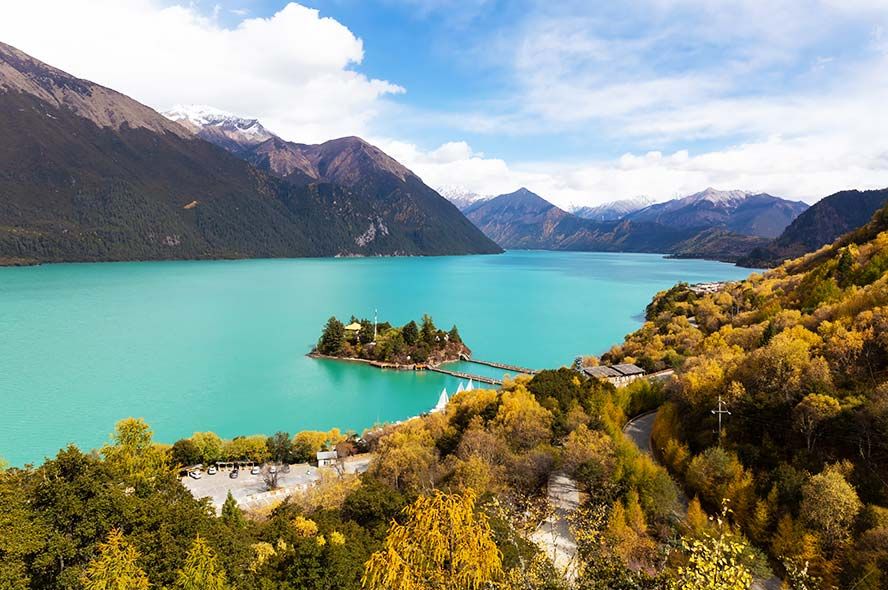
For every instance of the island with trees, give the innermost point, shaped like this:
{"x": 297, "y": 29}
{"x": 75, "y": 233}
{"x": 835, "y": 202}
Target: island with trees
{"x": 413, "y": 345}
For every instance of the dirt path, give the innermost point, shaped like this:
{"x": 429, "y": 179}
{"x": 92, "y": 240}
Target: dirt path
{"x": 554, "y": 536}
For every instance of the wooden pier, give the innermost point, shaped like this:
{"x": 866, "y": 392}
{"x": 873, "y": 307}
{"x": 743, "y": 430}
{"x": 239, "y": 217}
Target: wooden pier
{"x": 458, "y": 375}
{"x": 503, "y": 366}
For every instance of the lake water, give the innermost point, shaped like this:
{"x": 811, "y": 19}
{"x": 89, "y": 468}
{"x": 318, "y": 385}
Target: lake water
{"x": 221, "y": 345}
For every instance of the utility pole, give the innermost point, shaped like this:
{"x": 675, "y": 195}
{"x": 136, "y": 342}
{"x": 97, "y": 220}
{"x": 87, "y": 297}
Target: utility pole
{"x": 719, "y": 412}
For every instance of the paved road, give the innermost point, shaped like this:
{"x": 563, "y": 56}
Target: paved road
{"x": 639, "y": 430}
{"x": 554, "y": 536}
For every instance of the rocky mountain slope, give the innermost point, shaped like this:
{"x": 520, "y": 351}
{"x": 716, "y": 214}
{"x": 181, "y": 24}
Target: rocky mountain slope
{"x": 825, "y": 221}
{"x": 365, "y": 171}
{"x": 739, "y": 212}
{"x": 219, "y": 127}
{"x": 88, "y": 174}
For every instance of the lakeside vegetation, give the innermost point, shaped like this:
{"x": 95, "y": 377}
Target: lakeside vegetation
{"x": 407, "y": 345}
{"x": 793, "y": 485}
{"x": 81, "y": 519}
{"x": 799, "y": 356}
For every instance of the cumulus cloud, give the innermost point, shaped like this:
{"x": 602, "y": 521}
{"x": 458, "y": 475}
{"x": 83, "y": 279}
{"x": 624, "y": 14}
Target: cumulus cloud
{"x": 782, "y": 97}
{"x": 292, "y": 69}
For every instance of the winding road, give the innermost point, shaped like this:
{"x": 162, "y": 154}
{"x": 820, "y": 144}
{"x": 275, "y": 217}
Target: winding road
{"x": 639, "y": 429}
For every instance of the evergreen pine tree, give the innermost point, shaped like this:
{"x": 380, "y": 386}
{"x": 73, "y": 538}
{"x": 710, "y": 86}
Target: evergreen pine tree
{"x": 410, "y": 333}
{"x": 331, "y": 340}
{"x": 231, "y": 513}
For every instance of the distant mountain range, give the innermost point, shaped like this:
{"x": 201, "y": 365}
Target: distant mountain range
{"x": 88, "y": 174}
{"x": 613, "y": 210}
{"x": 698, "y": 226}
{"x": 821, "y": 224}
{"x": 739, "y": 212}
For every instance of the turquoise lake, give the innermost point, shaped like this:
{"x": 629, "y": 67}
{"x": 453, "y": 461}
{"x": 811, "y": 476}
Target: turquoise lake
{"x": 221, "y": 345}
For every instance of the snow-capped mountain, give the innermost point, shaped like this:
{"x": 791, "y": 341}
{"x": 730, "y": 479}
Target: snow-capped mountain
{"x": 742, "y": 212}
{"x": 613, "y": 210}
{"x": 220, "y": 127}
{"x": 461, "y": 196}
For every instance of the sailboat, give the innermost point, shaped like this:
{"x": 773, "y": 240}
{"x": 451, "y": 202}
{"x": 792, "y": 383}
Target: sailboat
{"x": 442, "y": 401}
{"x": 470, "y": 386}
{"x": 460, "y": 389}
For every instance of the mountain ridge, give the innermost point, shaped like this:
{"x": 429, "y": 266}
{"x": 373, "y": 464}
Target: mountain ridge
{"x": 90, "y": 174}
{"x": 741, "y": 212}
{"x": 612, "y": 210}
{"x": 524, "y": 220}
{"x": 821, "y": 224}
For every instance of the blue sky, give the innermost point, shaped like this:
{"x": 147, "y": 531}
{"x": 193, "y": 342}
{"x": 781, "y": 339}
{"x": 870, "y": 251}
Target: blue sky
{"x": 580, "y": 101}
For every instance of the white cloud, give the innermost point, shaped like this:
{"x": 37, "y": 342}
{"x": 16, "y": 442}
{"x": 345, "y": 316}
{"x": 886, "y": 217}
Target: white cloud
{"x": 799, "y": 169}
{"x": 293, "y": 69}
{"x": 749, "y": 96}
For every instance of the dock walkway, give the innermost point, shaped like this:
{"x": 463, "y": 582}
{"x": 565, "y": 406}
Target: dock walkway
{"x": 459, "y": 375}
{"x": 503, "y": 366}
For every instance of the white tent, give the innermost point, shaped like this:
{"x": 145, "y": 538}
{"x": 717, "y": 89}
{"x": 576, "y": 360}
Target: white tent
{"x": 442, "y": 401}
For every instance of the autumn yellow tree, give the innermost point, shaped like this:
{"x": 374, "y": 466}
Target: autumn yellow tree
{"x": 201, "y": 571}
{"x": 407, "y": 458}
{"x": 522, "y": 420}
{"x": 829, "y": 506}
{"x": 115, "y": 567}
{"x": 444, "y": 544}
{"x": 714, "y": 562}
{"x": 133, "y": 454}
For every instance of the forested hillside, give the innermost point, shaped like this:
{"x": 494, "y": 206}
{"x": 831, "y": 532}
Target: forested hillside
{"x": 89, "y": 174}
{"x": 825, "y": 221}
{"x": 799, "y": 357}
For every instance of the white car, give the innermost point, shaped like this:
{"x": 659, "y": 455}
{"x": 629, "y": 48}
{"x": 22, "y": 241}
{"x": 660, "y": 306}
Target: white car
{"x": 254, "y": 470}
{"x": 194, "y": 474}
{"x": 212, "y": 470}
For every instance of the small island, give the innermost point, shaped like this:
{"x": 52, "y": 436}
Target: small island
{"x": 409, "y": 346}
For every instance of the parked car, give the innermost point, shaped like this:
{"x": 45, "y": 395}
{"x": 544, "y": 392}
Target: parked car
{"x": 254, "y": 470}
{"x": 194, "y": 474}
{"x": 233, "y": 474}
{"x": 212, "y": 470}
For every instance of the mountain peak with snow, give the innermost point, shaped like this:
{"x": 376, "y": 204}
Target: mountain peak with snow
{"x": 461, "y": 196}
{"x": 209, "y": 122}
{"x": 612, "y": 210}
{"x": 718, "y": 197}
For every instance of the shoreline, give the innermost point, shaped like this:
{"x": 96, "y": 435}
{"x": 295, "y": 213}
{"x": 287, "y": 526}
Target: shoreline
{"x": 380, "y": 364}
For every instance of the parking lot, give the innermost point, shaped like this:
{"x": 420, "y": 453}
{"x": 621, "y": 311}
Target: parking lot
{"x": 250, "y": 491}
